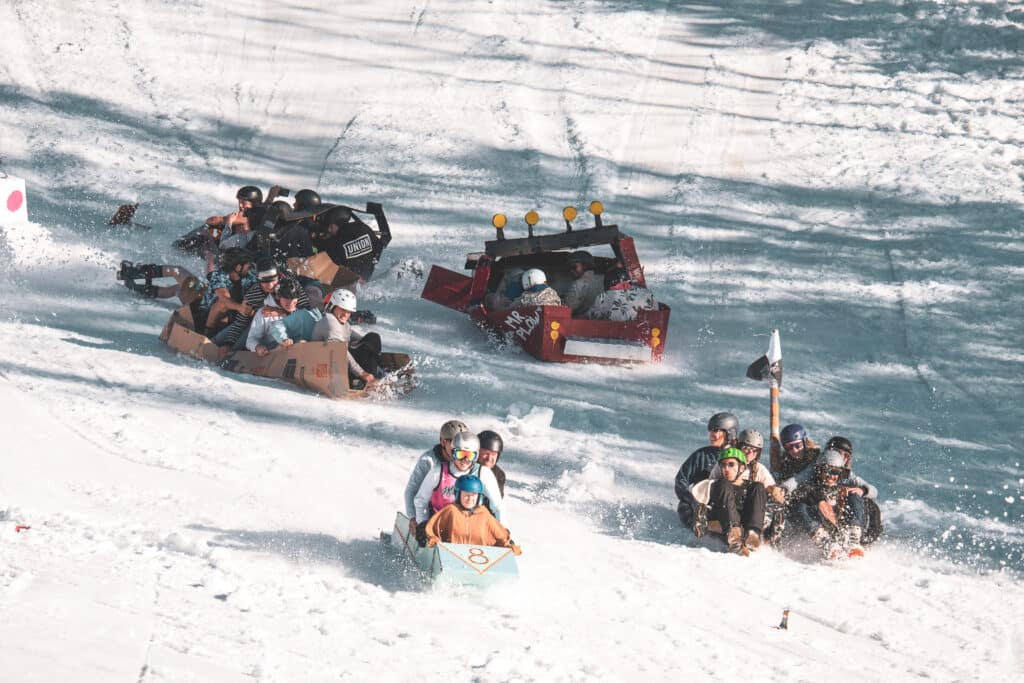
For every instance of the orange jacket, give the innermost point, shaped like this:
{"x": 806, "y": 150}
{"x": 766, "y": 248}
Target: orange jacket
{"x": 471, "y": 527}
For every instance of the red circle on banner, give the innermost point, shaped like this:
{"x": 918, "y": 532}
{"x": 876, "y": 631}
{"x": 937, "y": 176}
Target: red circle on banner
{"x": 14, "y": 201}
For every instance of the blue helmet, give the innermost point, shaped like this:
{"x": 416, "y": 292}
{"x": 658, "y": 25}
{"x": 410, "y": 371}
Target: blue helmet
{"x": 468, "y": 484}
{"x": 791, "y": 433}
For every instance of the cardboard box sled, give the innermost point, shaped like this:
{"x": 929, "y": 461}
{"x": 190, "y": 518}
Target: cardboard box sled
{"x": 318, "y": 366}
{"x": 453, "y": 562}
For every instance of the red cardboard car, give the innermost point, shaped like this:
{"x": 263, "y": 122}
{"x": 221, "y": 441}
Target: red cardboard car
{"x": 551, "y": 333}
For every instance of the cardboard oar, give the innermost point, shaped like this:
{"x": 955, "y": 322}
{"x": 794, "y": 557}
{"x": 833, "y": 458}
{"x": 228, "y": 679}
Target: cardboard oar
{"x": 769, "y": 368}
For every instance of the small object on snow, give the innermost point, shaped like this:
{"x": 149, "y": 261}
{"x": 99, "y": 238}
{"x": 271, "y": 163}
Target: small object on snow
{"x": 125, "y": 215}
{"x": 18, "y": 528}
{"x": 784, "y": 624}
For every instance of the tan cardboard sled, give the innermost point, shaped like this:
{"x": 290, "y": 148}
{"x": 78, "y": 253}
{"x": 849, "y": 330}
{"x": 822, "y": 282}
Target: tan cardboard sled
{"x": 321, "y": 267}
{"x": 319, "y": 366}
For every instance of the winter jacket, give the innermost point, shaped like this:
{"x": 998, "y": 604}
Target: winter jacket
{"x": 697, "y": 468}
{"x": 454, "y": 524}
{"x": 331, "y": 329}
{"x": 622, "y": 304}
{"x": 292, "y": 242}
{"x": 583, "y": 291}
{"x": 541, "y": 295}
{"x": 421, "y": 502}
{"x": 499, "y": 476}
{"x": 794, "y": 472}
{"x": 420, "y": 470}
{"x": 254, "y": 296}
{"x": 271, "y": 331}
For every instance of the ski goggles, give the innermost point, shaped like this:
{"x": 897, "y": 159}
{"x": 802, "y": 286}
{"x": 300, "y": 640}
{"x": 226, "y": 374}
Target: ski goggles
{"x": 464, "y": 454}
{"x": 748, "y": 448}
{"x": 834, "y": 472}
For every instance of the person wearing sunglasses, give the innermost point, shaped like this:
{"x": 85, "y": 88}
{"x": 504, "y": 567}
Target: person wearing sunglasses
{"x": 438, "y": 453}
{"x": 734, "y": 503}
{"x": 438, "y": 488}
{"x": 722, "y": 431}
{"x": 830, "y": 507}
{"x": 467, "y": 520}
{"x": 791, "y": 464}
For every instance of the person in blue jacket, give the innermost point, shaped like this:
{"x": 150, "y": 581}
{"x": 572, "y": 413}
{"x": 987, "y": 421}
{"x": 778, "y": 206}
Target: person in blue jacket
{"x": 723, "y": 429}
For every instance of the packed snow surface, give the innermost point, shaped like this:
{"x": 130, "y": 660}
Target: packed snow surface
{"x": 847, "y": 172}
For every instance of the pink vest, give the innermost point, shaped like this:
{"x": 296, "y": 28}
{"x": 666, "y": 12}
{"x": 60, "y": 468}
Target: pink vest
{"x": 444, "y": 492}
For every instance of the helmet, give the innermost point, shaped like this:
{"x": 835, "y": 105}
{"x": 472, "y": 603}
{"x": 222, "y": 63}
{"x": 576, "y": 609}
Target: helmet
{"x": 250, "y": 193}
{"x": 288, "y": 289}
{"x": 832, "y": 458}
{"x": 284, "y": 209}
{"x": 791, "y": 433}
{"x": 234, "y": 257}
{"x": 491, "y": 441}
{"x": 733, "y": 453}
{"x": 839, "y": 443}
{"x": 452, "y": 427}
{"x": 466, "y": 441}
{"x": 751, "y": 437}
{"x": 583, "y": 257}
{"x": 306, "y": 200}
{"x": 469, "y": 484}
{"x": 615, "y": 276}
{"x": 266, "y": 270}
{"x": 344, "y": 299}
{"x": 727, "y": 421}
{"x": 534, "y": 277}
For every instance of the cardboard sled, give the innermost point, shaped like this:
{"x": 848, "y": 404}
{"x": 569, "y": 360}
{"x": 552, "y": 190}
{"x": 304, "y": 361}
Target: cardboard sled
{"x": 321, "y": 267}
{"x": 318, "y": 366}
{"x": 453, "y": 562}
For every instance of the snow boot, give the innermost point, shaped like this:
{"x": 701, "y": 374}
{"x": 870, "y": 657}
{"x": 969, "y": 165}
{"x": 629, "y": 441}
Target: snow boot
{"x": 752, "y": 540}
{"x": 735, "y": 540}
{"x": 147, "y": 290}
{"x": 700, "y": 520}
{"x": 852, "y": 542}
{"x": 127, "y": 272}
{"x": 823, "y": 539}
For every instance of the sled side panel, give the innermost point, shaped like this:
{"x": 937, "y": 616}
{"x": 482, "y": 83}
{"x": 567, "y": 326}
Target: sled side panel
{"x": 448, "y": 288}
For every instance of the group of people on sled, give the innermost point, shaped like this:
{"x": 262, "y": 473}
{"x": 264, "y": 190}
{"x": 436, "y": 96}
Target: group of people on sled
{"x": 611, "y": 296}
{"x": 251, "y": 300}
{"x": 456, "y": 490}
{"x": 724, "y": 488}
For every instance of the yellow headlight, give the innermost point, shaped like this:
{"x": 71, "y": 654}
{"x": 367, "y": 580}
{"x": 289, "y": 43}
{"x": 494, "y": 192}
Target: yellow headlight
{"x": 596, "y": 208}
{"x": 569, "y": 213}
{"x": 532, "y": 218}
{"x": 499, "y": 220}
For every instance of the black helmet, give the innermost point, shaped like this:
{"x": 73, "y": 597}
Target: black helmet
{"x": 491, "y": 441}
{"x": 725, "y": 421}
{"x": 306, "y": 200}
{"x": 583, "y": 257}
{"x": 615, "y": 276}
{"x": 250, "y": 193}
{"x": 288, "y": 289}
{"x": 234, "y": 257}
{"x": 839, "y": 443}
{"x": 339, "y": 215}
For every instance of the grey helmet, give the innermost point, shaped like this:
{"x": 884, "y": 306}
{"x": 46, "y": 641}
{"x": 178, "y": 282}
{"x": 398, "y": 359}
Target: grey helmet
{"x": 453, "y": 427}
{"x": 725, "y": 421}
{"x": 751, "y": 437}
{"x": 831, "y": 458}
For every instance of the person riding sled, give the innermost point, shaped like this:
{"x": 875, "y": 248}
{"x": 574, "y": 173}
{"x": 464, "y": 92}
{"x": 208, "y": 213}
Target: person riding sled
{"x": 441, "y": 452}
{"x": 830, "y": 507}
{"x": 280, "y": 321}
{"x": 722, "y": 431}
{"x": 363, "y": 350}
{"x": 438, "y": 487}
{"x": 791, "y": 464}
{"x": 467, "y": 520}
{"x": 735, "y": 504}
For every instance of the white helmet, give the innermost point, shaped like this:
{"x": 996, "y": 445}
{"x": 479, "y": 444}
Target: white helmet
{"x": 343, "y": 299}
{"x": 534, "y": 277}
{"x": 466, "y": 441}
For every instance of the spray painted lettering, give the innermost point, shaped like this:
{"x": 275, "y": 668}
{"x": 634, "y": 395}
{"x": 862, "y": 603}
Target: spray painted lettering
{"x": 522, "y": 325}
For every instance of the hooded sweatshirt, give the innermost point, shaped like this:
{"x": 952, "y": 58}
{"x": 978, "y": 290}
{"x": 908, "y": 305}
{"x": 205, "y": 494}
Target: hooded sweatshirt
{"x": 455, "y": 524}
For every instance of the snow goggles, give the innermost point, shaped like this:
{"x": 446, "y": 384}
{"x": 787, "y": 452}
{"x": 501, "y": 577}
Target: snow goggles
{"x": 834, "y": 471}
{"x": 749, "y": 448}
{"x": 464, "y": 454}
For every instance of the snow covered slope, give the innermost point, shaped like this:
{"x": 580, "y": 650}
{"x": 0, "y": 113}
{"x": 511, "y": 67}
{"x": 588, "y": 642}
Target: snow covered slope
{"x": 848, "y": 172}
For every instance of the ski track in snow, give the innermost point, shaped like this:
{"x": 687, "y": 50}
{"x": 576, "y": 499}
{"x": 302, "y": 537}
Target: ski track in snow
{"x": 854, "y": 182}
